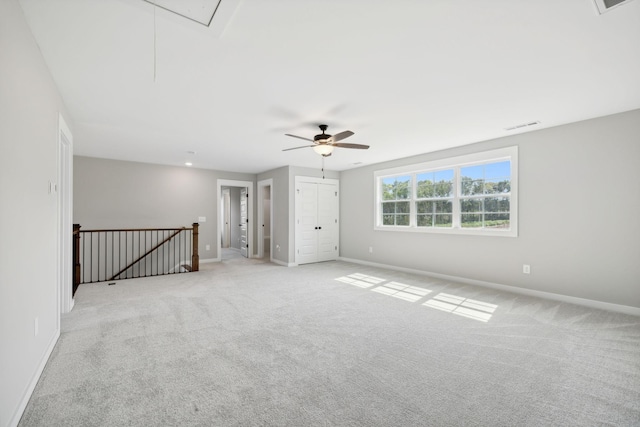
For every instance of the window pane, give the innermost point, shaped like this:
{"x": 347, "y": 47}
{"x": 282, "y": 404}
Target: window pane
{"x": 425, "y": 220}
{"x": 497, "y": 220}
{"x": 444, "y": 221}
{"x": 388, "y": 207}
{"x": 388, "y": 192}
{"x": 471, "y": 205}
{"x": 445, "y": 175}
{"x": 396, "y": 187}
{"x": 425, "y": 185}
{"x": 435, "y": 184}
{"x": 471, "y": 187}
{"x": 402, "y": 219}
{"x": 402, "y": 207}
{"x": 497, "y": 187}
{"x": 472, "y": 172}
{"x": 471, "y": 220}
{"x": 388, "y": 219}
{"x": 443, "y": 206}
{"x": 403, "y": 187}
{"x": 443, "y": 189}
{"x": 424, "y": 207}
{"x": 498, "y": 170}
{"x": 496, "y": 204}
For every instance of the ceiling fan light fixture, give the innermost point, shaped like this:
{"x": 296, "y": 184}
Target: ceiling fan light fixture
{"x": 323, "y": 149}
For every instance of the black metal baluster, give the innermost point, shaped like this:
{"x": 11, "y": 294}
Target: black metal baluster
{"x": 138, "y": 257}
{"x": 91, "y": 258}
{"x": 126, "y": 253}
{"x": 84, "y": 258}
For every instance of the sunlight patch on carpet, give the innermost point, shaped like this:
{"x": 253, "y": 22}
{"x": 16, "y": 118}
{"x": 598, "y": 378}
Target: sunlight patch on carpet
{"x": 465, "y": 307}
{"x": 360, "y": 280}
{"x": 461, "y": 306}
{"x": 402, "y": 291}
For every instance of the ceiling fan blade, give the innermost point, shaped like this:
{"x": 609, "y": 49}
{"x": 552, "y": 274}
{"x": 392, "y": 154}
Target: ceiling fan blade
{"x": 340, "y": 136}
{"x": 347, "y": 145}
{"x": 295, "y": 148}
{"x": 299, "y": 137}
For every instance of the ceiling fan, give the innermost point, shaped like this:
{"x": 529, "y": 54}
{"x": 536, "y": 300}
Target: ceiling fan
{"x": 324, "y": 144}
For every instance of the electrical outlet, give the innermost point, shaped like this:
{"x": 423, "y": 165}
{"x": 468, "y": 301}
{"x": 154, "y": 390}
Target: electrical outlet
{"x": 278, "y": 248}
{"x": 36, "y": 327}
{"x": 370, "y": 249}
{"x": 207, "y": 247}
{"x": 526, "y": 269}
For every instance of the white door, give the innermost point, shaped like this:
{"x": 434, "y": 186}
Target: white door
{"x": 244, "y": 219}
{"x": 317, "y": 231}
{"x": 327, "y": 222}
{"x": 307, "y": 223}
{"x": 226, "y": 219}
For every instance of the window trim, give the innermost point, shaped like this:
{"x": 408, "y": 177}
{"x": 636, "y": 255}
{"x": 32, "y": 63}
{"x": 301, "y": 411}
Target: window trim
{"x": 455, "y": 163}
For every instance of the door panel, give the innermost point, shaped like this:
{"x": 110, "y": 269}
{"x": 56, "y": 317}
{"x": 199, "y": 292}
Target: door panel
{"x": 328, "y": 222}
{"x": 307, "y": 244}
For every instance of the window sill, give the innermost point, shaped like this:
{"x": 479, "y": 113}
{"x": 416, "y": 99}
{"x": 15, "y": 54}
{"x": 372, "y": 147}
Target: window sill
{"x": 459, "y": 231}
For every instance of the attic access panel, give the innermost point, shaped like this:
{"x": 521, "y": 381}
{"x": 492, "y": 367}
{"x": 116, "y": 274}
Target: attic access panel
{"x": 200, "y": 11}
{"x": 606, "y": 5}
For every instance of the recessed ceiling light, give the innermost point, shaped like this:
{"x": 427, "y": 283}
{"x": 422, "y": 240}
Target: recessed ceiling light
{"x": 188, "y": 164}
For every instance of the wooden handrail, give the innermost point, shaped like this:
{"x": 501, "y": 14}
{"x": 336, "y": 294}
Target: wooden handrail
{"x": 134, "y": 229}
{"x": 178, "y": 230}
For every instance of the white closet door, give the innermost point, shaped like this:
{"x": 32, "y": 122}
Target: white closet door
{"x": 307, "y": 223}
{"x": 317, "y": 231}
{"x": 327, "y": 222}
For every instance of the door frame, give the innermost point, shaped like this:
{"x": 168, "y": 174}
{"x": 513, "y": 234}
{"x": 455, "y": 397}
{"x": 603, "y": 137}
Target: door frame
{"x": 243, "y": 184}
{"x": 65, "y": 217}
{"x": 261, "y": 193}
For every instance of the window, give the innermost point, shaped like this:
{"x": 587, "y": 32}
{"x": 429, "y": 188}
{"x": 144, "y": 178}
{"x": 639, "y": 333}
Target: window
{"x": 473, "y": 194}
{"x": 396, "y": 195}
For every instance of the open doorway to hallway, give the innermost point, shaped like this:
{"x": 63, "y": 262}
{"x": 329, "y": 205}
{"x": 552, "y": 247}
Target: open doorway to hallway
{"x": 235, "y": 228}
{"x": 265, "y": 218}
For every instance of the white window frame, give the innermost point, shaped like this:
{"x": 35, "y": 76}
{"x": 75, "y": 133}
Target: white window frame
{"x": 455, "y": 163}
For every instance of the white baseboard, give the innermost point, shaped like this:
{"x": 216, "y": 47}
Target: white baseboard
{"x": 208, "y": 260}
{"x": 286, "y": 264}
{"x": 34, "y": 381}
{"x": 634, "y": 311}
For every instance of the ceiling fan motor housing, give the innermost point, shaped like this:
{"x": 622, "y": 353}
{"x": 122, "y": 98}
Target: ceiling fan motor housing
{"x": 323, "y": 135}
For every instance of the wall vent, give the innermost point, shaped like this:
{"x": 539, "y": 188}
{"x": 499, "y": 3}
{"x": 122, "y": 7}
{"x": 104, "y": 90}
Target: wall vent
{"x": 523, "y": 125}
{"x": 606, "y": 5}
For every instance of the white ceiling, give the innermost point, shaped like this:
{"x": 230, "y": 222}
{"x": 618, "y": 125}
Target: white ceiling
{"x": 407, "y": 76}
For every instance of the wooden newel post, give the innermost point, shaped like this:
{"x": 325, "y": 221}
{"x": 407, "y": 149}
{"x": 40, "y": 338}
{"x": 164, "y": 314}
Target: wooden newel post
{"x": 76, "y": 257}
{"x": 195, "y": 259}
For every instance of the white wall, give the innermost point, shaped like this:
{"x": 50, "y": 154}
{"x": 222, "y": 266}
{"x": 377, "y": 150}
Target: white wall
{"x": 29, "y": 109}
{"x": 579, "y": 220}
{"x": 121, "y": 194}
{"x": 280, "y": 204}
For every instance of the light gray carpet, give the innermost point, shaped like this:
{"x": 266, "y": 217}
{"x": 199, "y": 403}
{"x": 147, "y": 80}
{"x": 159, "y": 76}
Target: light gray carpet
{"x": 246, "y": 343}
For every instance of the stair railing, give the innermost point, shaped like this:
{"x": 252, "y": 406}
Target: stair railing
{"x": 115, "y": 254}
